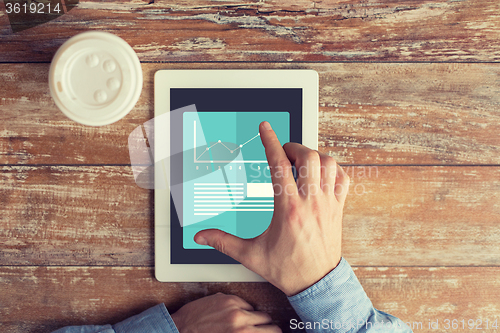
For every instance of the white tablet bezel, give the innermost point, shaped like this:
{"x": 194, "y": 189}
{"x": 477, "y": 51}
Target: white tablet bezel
{"x": 164, "y": 80}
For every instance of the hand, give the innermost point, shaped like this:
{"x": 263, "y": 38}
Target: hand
{"x": 222, "y": 313}
{"x": 303, "y": 242}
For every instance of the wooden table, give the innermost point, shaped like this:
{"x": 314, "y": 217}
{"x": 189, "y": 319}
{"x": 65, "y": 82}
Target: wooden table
{"x": 409, "y": 104}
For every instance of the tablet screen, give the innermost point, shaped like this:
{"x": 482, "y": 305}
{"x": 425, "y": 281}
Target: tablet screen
{"x": 226, "y": 178}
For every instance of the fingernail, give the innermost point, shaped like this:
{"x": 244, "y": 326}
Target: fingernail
{"x": 266, "y": 125}
{"x": 201, "y": 241}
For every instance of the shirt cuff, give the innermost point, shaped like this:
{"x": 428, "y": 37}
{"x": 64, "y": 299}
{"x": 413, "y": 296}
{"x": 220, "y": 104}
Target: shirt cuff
{"x": 338, "y": 298}
{"x": 154, "y": 320}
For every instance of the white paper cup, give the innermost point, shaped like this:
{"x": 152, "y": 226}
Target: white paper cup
{"x": 95, "y": 78}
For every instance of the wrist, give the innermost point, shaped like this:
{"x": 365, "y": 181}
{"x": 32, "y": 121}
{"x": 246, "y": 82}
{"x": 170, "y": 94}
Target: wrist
{"x": 307, "y": 280}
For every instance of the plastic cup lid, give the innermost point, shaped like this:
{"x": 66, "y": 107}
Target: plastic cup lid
{"x": 95, "y": 78}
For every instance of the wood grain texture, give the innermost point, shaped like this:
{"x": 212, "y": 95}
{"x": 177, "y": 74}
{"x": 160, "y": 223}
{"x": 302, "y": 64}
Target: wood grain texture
{"x": 277, "y": 31}
{"x": 61, "y": 296}
{"x": 422, "y": 216}
{"x": 369, "y": 114}
{"x": 100, "y": 295}
{"x": 394, "y": 216}
{"x": 77, "y": 233}
{"x": 34, "y": 131}
{"x": 75, "y": 216}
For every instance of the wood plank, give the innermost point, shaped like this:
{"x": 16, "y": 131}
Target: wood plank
{"x": 35, "y": 131}
{"x": 276, "y": 31}
{"x": 369, "y": 114}
{"x": 410, "y": 114}
{"x": 420, "y": 295}
{"x": 422, "y": 216}
{"x": 75, "y": 216}
{"x": 394, "y": 216}
{"x": 99, "y": 295}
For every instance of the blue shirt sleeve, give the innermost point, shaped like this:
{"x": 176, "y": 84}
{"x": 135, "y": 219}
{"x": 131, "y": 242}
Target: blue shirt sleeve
{"x": 154, "y": 320}
{"x": 338, "y": 303}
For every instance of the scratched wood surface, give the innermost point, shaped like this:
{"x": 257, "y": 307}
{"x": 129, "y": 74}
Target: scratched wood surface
{"x": 409, "y": 88}
{"x": 96, "y": 215}
{"x": 60, "y": 296}
{"x": 277, "y": 31}
{"x": 439, "y": 114}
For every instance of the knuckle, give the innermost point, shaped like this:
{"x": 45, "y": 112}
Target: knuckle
{"x": 293, "y": 205}
{"x": 227, "y": 300}
{"x": 219, "y": 296}
{"x": 293, "y": 209}
{"x": 329, "y": 162}
{"x": 311, "y": 155}
{"x": 219, "y": 245}
{"x": 282, "y": 164}
{"x": 316, "y": 207}
{"x": 236, "y": 316}
{"x": 342, "y": 175}
{"x": 233, "y": 299}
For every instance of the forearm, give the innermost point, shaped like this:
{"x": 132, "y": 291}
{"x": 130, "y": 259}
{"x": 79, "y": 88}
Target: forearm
{"x": 338, "y": 303}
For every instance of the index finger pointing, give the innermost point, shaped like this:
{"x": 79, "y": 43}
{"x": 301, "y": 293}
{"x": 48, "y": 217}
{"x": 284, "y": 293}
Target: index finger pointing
{"x": 281, "y": 169}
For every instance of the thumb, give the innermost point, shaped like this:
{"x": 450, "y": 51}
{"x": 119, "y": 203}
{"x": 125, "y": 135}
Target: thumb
{"x": 228, "y": 244}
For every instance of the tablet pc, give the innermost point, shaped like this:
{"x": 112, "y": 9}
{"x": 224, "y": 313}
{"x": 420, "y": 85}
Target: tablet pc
{"x": 209, "y": 154}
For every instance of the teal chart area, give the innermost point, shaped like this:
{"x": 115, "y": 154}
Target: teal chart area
{"x": 226, "y": 178}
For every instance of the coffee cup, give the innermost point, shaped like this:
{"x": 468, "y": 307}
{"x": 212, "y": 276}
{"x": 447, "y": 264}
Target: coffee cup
{"x": 95, "y": 78}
